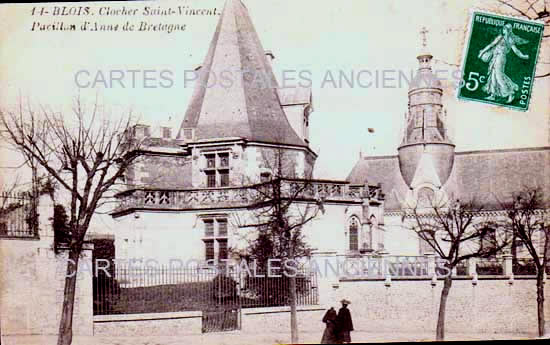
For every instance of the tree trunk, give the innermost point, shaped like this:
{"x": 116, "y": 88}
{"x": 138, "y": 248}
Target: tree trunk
{"x": 540, "y": 301}
{"x": 33, "y": 224}
{"x": 514, "y": 251}
{"x": 440, "y": 331}
{"x": 66, "y": 323}
{"x": 293, "y": 316}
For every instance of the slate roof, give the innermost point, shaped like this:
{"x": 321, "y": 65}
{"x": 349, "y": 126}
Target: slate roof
{"x": 383, "y": 170}
{"x": 249, "y": 106}
{"x": 294, "y": 95}
{"x": 488, "y": 176}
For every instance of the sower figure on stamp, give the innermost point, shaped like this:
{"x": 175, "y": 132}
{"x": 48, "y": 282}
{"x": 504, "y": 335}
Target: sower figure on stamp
{"x": 330, "y": 333}
{"x": 498, "y": 83}
{"x": 344, "y": 323}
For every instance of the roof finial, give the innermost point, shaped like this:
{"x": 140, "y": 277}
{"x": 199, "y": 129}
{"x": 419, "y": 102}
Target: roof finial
{"x": 423, "y": 33}
{"x": 424, "y": 57}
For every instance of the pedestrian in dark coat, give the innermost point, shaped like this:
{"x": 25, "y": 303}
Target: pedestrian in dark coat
{"x": 344, "y": 322}
{"x": 330, "y": 333}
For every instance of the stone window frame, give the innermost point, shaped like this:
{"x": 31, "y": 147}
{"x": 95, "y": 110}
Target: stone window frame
{"x": 426, "y": 196}
{"x": 211, "y": 179}
{"x": 353, "y": 220}
{"x": 215, "y": 236}
{"x": 490, "y": 236}
{"x": 189, "y": 134}
{"x": 219, "y": 167}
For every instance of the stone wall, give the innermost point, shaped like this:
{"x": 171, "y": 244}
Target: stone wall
{"x": 492, "y": 306}
{"x": 32, "y": 279}
{"x": 160, "y": 171}
{"x": 182, "y": 323}
{"x": 406, "y": 306}
{"x": 269, "y": 320}
{"x": 277, "y": 320}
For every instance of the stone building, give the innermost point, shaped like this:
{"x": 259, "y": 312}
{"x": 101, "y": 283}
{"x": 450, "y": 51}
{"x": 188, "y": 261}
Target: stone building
{"x": 184, "y": 192}
{"x": 426, "y": 166}
{"x": 188, "y": 186}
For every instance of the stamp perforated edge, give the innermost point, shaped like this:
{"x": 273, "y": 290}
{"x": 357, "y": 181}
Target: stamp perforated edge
{"x": 466, "y": 45}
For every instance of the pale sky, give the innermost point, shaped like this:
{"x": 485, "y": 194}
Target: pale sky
{"x": 312, "y": 35}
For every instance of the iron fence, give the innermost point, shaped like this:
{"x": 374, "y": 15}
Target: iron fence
{"x": 520, "y": 266}
{"x": 166, "y": 289}
{"x": 489, "y": 266}
{"x": 18, "y": 215}
{"x": 526, "y": 266}
{"x": 262, "y": 290}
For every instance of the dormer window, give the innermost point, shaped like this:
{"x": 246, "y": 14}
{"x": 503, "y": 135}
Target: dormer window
{"x": 211, "y": 179}
{"x": 166, "y": 132}
{"x": 188, "y": 134}
{"x": 211, "y": 161}
{"x": 224, "y": 159}
{"x": 217, "y": 169}
{"x": 224, "y": 178}
{"x": 141, "y": 131}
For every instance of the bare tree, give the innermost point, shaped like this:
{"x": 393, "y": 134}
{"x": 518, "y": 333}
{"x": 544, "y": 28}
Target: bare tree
{"x": 282, "y": 205}
{"x": 456, "y": 232}
{"x": 527, "y": 219}
{"x": 7, "y": 189}
{"x": 85, "y": 153}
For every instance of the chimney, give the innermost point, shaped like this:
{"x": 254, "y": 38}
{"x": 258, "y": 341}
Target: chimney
{"x": 166, "y": 132}
{"x": 142, "y": 131}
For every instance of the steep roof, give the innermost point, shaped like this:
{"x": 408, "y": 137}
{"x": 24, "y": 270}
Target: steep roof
{"x": 294, "y": 95}
{"x": 493, "y": 176}
{"x": 236, "y": 92}
{"x": 383, "y": 170}
{"x": 488, "y": 176}
{"x": 425, "y": 172}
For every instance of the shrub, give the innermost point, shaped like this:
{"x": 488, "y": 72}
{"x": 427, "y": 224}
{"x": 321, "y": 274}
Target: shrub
{"x": 224, "y": 287}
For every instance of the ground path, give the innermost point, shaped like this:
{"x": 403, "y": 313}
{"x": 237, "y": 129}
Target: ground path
{"x": 240, "y": 338}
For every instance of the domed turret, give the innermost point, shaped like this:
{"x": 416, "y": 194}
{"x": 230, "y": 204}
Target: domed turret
{"x": 424, "y": 78}
{"x": 425, "y": 130}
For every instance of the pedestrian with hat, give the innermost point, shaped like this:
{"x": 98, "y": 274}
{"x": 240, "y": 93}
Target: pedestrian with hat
{"x": 330, "y": 335}
{"x": 344, "y": 322}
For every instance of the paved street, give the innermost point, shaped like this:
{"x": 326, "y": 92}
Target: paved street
{"x": 239, "y": 338}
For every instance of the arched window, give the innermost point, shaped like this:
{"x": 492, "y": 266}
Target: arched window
{"x": 354, "y": 234}
{"x": 488, "y": 239}
{"x": 425, "y": 197}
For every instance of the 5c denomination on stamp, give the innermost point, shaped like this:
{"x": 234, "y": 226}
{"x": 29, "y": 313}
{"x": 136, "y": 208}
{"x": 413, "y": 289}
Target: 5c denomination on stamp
{"x": 500, "y": 60}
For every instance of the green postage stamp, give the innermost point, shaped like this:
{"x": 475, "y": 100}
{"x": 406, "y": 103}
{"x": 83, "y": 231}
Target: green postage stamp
{"x": 500, "y": 59}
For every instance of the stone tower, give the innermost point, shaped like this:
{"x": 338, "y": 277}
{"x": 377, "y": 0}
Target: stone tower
{"x": 426, "y": 153}
{"x": 239, "y": 108}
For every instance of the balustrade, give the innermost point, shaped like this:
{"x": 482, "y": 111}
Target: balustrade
{"x": 242, "y": 196}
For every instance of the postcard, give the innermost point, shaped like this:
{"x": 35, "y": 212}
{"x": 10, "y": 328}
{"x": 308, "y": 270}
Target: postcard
{"x": 274, "y": 172}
